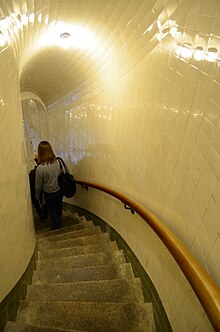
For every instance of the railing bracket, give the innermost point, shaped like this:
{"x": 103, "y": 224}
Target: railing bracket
{"x": 84, "y": 186}
{"x": 127, "y": 207}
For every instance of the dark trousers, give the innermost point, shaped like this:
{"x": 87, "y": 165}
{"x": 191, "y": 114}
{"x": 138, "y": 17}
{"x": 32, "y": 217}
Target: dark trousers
{"x": 54, "y": 205}
{"x": 41, "y": 209}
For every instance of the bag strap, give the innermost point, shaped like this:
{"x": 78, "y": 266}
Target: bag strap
{"x": 62, "y": 165}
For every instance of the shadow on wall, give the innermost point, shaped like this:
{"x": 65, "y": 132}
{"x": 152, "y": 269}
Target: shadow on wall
{"x": 93, "y": 162}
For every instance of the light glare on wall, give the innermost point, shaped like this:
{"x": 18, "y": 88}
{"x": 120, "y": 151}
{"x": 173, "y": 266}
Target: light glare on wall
{"x": 46, "y": 20}
{"x": 39, "y": 18}
{"x": 4, "y": 24}
{"x": 184, "y": 51}
{"x": 212, "y": 54}
{"x": 198, "y": 53}
{"x": 68, "y": 35}
{"x": 31, "y": 18}
{"x": 2, "y": 39}
{"x": 24, "y": 19}
{"x": 173, "y": 31}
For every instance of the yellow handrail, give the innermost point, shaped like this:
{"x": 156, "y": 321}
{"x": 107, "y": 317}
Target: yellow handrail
{"x": 205, "y": 288}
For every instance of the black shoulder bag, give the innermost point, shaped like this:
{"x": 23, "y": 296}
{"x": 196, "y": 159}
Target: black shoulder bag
{"x": 66, "y": 180}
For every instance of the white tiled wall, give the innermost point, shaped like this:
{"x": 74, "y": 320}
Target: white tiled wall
{"x": 36, "y": 127}
{"x": 140, "y": 114}
{"x": 17, "y": 236}
{"x": 154, "y": 134}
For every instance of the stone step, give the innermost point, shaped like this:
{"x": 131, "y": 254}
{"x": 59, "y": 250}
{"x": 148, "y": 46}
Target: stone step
{"x": 118, "y": 290}
{"x": 19, "y": 327}
{"x": 70, "y": 235}
{"x": 71, "y": 262}
{"x": 95, "y": 317}
{"x": 66, "y": 229}
{"x": 75, "y": 242}
{"x": 80, "y": 250}
{"x": 69, "y": 214}
{"x": 41, "y": 225}
{"x": 102, "y": 272}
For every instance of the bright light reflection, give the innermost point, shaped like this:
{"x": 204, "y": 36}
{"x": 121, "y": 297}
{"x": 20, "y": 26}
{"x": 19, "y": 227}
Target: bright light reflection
{"x": 31, "y": 18}
{"x": 46, "y": 20}
{"x": 18, "y": 23}
{"x": 198, "y": 54}
{"x": 159, "y": 24}
{"x": 4, "y": 24}
{"x": 186, "y": 52}
{"x": 159, "y": 37}
{"x": 212, "y": 54}
{"x": 148, "y": 29}
{"x": 2, "y": 40}
{"x": 79, "y": 37}
{"x": 24, "y": 19}
{"x": 39, "y": 18}
{"x": 65, "y": 40}
{"x": 178, "y": 50}
{"x": 173, "y": 31}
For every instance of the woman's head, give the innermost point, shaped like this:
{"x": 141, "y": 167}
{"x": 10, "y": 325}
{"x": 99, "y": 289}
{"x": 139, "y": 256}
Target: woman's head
{"x": 45, "y": 153}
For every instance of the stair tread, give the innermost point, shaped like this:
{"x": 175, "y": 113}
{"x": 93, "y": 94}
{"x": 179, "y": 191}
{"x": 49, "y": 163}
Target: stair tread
{"x": 90, "y": 255}
{"x": 81, "y": 240}
{"x": 21, "y": 327}
{"x": 97, "y": 317}
{"x": 78, "y": 250}
{"x": 93, "y": 259}
{"x": 65, "y": 229}
{"x": 116, "y": 290}
{"x": 42, "y": 225}
{"x": 70, "y": 234}
{"x": 101, "y": 272}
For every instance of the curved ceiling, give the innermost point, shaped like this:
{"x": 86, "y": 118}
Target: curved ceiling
{"x": 52, "y": 73}
{"x": 103, "y": 33}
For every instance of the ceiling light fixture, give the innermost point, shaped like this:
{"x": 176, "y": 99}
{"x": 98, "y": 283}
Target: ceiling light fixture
{"x": 65, "y": 40}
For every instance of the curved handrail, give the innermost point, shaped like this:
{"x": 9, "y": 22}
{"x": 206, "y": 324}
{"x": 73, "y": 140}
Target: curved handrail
{"x": 205, "y": 288}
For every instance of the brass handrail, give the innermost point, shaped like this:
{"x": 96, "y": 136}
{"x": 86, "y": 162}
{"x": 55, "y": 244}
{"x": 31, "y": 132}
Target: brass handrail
{"x": 203, "y": 285}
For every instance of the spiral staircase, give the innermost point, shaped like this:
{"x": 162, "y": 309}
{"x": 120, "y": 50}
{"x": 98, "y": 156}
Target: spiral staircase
{"x": 81, "y": 283}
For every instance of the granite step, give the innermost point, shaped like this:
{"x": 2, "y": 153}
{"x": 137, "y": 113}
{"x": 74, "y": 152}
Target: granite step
{"x": 71, "y": 262}
{"x": 81, "y": 225}
{"x": 80, "y": 250}
{"x": 102, "y": 272}
{"x": 70, "y": 214}
{"x": 41, "y": 225}
{"x": 95, "y": 317}
{"x": 70, "y": 235}
{"x": 82, "y": 283}
{"x": 75, "y": 242}
{"x": 118, "y": 290}
{"x": 20, "y": 327}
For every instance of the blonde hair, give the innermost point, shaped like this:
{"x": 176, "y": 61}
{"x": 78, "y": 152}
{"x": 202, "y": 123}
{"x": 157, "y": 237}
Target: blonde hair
{"x": 45, "y": 153}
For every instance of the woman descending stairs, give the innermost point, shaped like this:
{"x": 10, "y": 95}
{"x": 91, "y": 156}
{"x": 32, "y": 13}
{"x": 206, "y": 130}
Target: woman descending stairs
{"x": 82, "y": 283}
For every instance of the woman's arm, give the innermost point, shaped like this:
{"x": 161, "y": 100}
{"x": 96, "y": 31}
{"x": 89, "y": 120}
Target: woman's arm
{"x": 38, "y": 182}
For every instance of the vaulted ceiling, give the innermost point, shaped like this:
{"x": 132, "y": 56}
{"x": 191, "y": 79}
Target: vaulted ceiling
{"x": 102, "y": 36}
